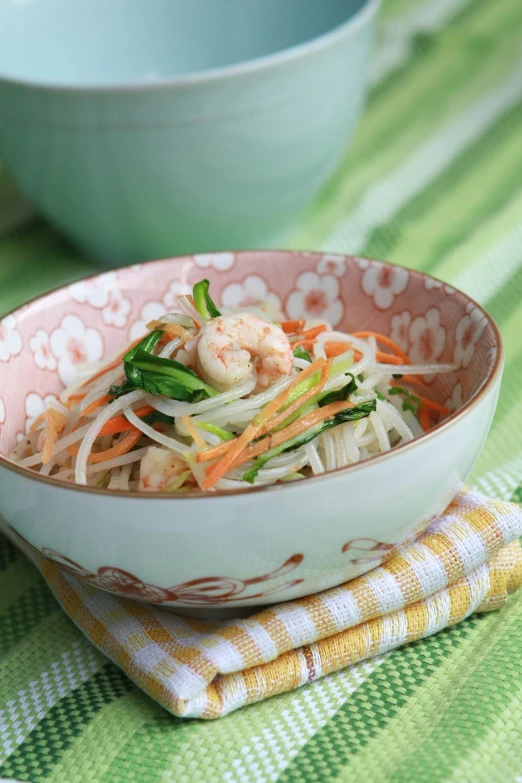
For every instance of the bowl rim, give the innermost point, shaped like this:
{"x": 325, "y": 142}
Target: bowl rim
{"x": 487, "y": 386}
{"x": 363, "y": 15}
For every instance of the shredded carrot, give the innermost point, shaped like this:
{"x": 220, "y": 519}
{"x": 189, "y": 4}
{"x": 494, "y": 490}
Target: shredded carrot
{"x": 434, "y": 406}
{"x": 414, "y": 379}
{"x": 381, "y": 338}
{"x": 120, "y": 448}
{"x": 388, "y": 358}
{"x": 310, "y": 334}
{"x": 424, "y": 418}
{"x": 268, "y": 411}
{"x": 36, "y": 423}
{"x": 289, "y": 327}
{"x": 78, "y": 397}
{"x": 55, "y": 423}
{"x": 284, "y": 415}
{"x": 335, "y": 348}
{"x": 296, "y": 428}
{"x": 120, "y": 423}
{"x": 306, "y": 344}
{"x": 96, "y": 404}
{"x": 193, "y": 432}
{"x": 175, "y": 330}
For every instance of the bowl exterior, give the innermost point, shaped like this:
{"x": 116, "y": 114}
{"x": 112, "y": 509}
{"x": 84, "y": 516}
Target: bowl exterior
{"x": 229, "y": 162}
{"x": 249, "y": 550}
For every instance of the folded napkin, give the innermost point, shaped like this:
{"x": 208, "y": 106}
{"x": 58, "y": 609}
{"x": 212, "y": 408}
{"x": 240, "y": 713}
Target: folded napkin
{"x": 467, "y": 561}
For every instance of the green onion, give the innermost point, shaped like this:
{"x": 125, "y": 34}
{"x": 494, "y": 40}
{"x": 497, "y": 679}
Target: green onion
{"x": 223, "y": 434}
{"x": 104, "y": 480}
{"x": 380, "y": 395}
{"x": 202, "y": 300}
{"x": 301, "y": 353}
{"x": 411, "y": 403}
{"x": 177, "y": 482}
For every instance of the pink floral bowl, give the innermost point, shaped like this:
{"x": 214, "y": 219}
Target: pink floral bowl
{"x": 213, "y": 554}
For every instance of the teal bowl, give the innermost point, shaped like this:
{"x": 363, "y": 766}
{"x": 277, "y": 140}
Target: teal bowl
{"x": 147, "y": 128}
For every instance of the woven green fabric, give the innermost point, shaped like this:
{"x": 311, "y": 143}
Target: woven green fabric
{"x": 433, "y": 181}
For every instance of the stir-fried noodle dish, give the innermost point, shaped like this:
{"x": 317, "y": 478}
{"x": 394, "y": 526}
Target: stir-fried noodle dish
{"x": 215, "y": 402}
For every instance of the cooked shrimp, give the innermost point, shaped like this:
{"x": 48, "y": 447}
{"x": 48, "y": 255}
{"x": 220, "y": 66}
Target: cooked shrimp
{"x": 230, "y": 347}
{"x": 157, "y": 467}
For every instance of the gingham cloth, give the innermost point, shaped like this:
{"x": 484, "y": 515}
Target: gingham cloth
{"x": 467, "y": 561}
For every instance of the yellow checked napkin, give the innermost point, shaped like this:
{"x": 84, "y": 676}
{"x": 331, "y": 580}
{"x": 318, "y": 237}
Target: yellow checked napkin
{"x": 468, "y": 560}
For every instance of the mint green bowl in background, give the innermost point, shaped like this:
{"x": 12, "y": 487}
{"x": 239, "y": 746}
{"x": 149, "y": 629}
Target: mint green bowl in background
{"x": 145, "y": 128}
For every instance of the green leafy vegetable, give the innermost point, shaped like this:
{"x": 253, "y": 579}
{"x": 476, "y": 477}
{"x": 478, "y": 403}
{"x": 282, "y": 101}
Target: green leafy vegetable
{"x": 168, "y": 377}
{"x": 411, "y": 403}
{"x": 132, "y": 380}
{"x": 351, "y": 414}
{"x": 202, "y": 300}
{"x": 153, "y": 418}
{"x": 380, "y": 395}
{"x": 301, "y": 353}
{"x": 339, "y": 394}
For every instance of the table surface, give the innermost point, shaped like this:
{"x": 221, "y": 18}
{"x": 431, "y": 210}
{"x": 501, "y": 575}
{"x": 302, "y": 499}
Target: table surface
{"x": 433, "y": 181}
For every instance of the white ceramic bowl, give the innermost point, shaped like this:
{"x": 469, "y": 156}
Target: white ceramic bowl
{"x": 237, "y": 550}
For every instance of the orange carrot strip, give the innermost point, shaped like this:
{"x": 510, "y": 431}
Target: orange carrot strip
{"x": 96, "y": 404}
{"x": 120, "y": 423}
{"x": 434, "y": 406}
{"x": 115, "y": 451}
{"x": 76, "y": 397}
{"x": 193, "y": 432}
{"x": 424, "y": 419}
{"x": 176, "y": 330}
{"x": 277, "y": 438}
{"x": 293, "y": 326}
{"x": 335, "y": 348}
{"x": 306, "y": 344}
{"x": 36, "y": 423}
{"x": 284, "y": 415}
{"x": 415, "y": 380}
{"x": 388, "y": 358}
{"x": 309, "y": 334}
{"x": 55, "y": 423}
{"x": 385, "y": 341}
{"x": 267, "y": 413}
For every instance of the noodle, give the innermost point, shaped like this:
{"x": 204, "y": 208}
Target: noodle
{"x": 293, "y": 414}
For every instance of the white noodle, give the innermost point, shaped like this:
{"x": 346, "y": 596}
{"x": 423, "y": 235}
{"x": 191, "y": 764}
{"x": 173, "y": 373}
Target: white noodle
{"x": 388, "y": 412}
{"x": 414, "y": 369}
{"x": 116, "y": 462}
{"x": 170, "y": 347}
{"x": 349, "y": 440}
{"x": 328, "y": 445}
{"x": 189, "y": 308}
{"x": 170, "y": 443}
{"x": 342, "y": 457}
{"x": 124, "y": 476}
{"x": 172, "y": 408}
{"x": 382, "y": 436}
{"x": 101, "y": 387}
{"x": 177, "y": 318}
{"x": 314, "y": 459}
{"x": 60, "y": 445}
{"x": 94, "y": 429}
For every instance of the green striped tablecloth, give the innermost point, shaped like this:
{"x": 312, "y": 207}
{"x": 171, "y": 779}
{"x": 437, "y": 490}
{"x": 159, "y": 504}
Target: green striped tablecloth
{"x": 433, "y": 181}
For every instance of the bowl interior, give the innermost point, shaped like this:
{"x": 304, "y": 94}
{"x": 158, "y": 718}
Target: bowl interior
{"x": 44, "y": 344}
{"x": 95, "y": 42}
